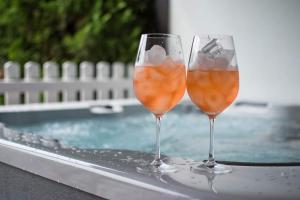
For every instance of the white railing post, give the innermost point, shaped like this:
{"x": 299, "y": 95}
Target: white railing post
{"x": 103, "y": 76}
{"x": 32, "y": 74}
{"x": 130, "y": 71}
{"x": 11, "y": 74}
{"x": 111, "y": 82}
{"x": 50, "y": 75}
{"x": 118, "y": 70}
{"x": 69, "y": 74}
{"x": 86, "y": 74}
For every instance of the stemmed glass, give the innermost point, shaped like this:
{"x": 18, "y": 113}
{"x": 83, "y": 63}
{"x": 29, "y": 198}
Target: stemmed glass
{"x": 159, "y": 83}
{"x": 212, "y": 84}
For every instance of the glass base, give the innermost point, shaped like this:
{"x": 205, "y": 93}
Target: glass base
{"x": 211, "y": 167}
{"x": 156, "y": 166}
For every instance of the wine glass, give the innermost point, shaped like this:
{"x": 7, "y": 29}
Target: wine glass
{"x": 212, "y": 84}
{"x": 159, "y": 83}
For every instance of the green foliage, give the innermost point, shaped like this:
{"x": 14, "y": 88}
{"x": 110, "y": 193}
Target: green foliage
{"x": 74, "y": 30}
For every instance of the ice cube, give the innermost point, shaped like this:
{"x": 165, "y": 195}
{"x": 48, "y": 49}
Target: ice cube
{"x": 213, "y": 48}
{"x": 216, "y": 50}
{"x": 172, "y": 70}
{"x": 203, "y": 60}
{"x": 223, "y": 59}
{"x": 168, "y": 62}
{"x": 203, "y": 79}
{"x": 156, "y": 75}
{"x": 161, "y": 104}
{"x": 209, "y": 46}
{"x": 214, "y": 101}
{"x": 156, "y": 55}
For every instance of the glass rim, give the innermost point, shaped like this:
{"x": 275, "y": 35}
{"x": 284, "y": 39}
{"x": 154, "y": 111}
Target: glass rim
{"x": 160, "y": 35}
{"x": 213, "y": 35}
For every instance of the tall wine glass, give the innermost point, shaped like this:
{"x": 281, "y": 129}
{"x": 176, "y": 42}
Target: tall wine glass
{"x": 212, "y": 84}
{"x": 159, "y": 82}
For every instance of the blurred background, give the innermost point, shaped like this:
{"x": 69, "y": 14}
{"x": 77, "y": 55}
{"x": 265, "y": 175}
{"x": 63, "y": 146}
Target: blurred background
{"x": 75, "y": 30}
{"x": 266, "y": 34}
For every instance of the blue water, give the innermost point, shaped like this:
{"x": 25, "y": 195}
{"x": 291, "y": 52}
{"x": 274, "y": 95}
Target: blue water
{"x": 238, "y": 137}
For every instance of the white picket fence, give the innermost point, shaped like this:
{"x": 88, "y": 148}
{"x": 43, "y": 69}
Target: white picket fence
{"x": 94, "y": 82}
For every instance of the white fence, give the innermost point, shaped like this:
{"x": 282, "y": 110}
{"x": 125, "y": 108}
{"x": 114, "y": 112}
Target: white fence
{"x": 93, "y": 82}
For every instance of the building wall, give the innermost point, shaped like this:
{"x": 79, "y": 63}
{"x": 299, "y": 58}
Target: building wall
{"x": 267, "y": 40}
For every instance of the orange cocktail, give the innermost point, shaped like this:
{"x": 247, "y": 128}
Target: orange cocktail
{"x": 212, "y": 84}
{"x": 160, "y": 87}
{"x": 213, "y": 89}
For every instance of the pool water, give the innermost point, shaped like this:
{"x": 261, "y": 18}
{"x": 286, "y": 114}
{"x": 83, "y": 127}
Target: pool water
{"x": 239, "y": 136}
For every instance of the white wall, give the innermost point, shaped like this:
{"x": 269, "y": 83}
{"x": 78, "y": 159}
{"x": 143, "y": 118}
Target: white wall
{"x": 267, "y": 40}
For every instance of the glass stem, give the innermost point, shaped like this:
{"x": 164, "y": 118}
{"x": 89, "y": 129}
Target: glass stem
{"x": 211, "y": 156}
{"x": 157, "y": 155}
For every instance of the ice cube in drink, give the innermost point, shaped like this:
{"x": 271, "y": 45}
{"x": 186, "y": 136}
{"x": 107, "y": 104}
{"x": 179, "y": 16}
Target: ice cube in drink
{"x": 212, "y": 90}
{"x": 160, "y": 87}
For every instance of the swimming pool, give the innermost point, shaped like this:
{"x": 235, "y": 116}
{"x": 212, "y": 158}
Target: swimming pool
{"x": 244, "y": 133}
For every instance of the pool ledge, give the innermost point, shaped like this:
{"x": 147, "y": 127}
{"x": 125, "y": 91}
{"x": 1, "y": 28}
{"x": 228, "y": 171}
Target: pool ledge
{"x": 118, "y": 179}
{"x": 88, "y": 177}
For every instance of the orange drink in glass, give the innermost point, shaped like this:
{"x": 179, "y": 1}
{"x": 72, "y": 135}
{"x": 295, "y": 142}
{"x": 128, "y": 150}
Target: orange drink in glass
{"x": 159, "y": 83}
{"x": 214, "y": 89}
{"x": 159, "y": 88}
{"x": 212, "y": 84}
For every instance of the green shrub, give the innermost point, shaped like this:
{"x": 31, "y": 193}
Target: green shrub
{"x": 74, "y": 30}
